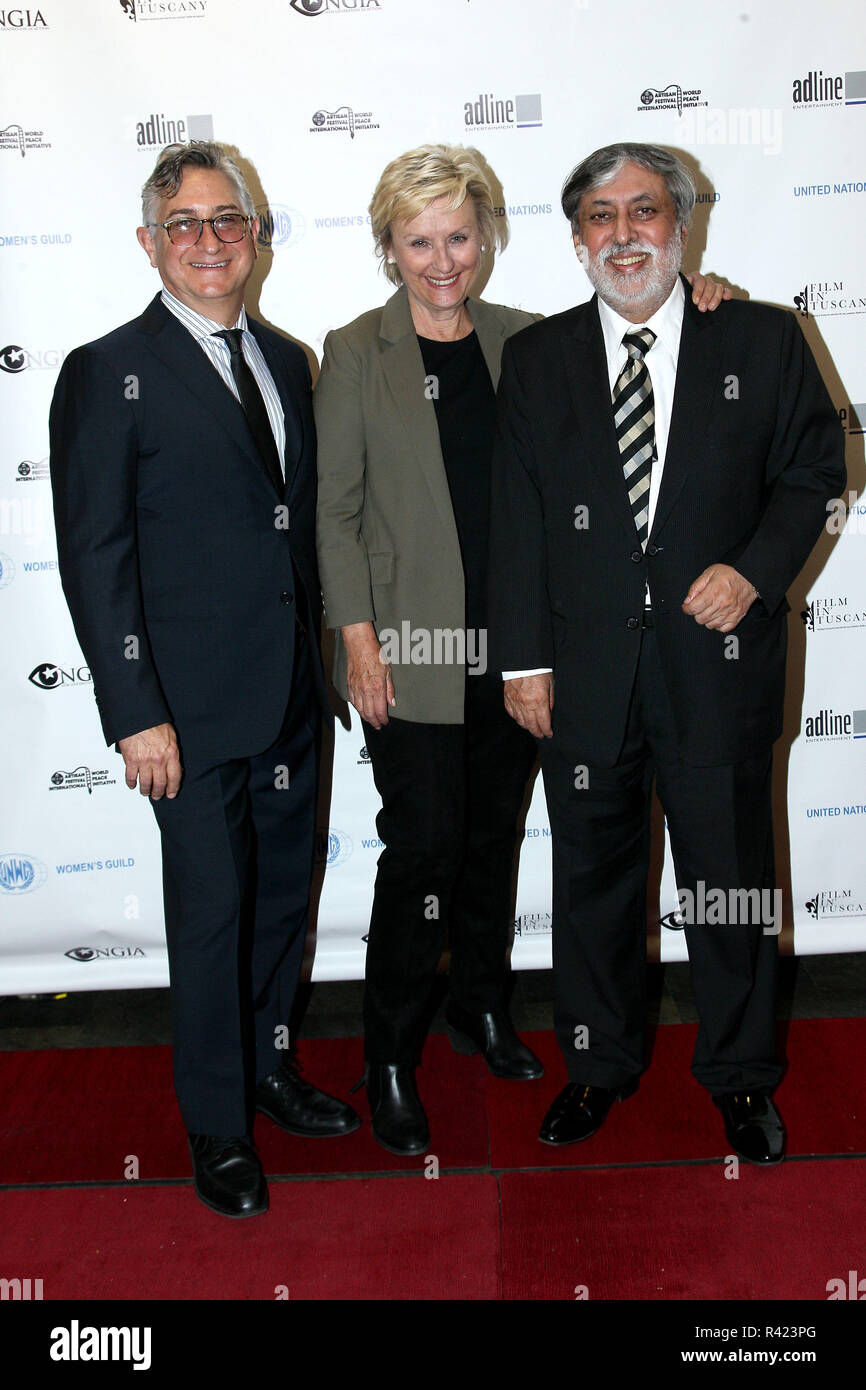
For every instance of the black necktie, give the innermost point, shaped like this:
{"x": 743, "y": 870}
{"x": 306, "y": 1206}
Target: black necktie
{"x": 254, "y": 406}
{"x": 634, "y": 417}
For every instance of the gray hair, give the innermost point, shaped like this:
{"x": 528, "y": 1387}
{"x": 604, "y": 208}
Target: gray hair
{"x": 602, "y": 166}
{"x": 168, "y": 172}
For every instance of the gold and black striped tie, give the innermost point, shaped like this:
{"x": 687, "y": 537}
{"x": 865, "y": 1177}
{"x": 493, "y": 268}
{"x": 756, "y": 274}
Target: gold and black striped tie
{"x": 634, "y": 419}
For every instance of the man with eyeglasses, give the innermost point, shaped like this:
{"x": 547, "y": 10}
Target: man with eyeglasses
{"x": 183, "y": 469}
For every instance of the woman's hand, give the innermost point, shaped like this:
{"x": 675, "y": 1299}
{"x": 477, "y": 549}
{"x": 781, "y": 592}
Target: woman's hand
{"x": 706, "y": 292}
{"x": 368, "y": 677}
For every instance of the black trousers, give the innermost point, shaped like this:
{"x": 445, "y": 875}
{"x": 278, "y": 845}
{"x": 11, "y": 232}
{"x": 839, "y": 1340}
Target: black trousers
{"x": 237, "y": 855}
{"x": 451, "y": 796}
{"x": 720, "y": 825}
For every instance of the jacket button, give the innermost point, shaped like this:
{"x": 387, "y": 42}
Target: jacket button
{"x": 637, "y": 556}
{"x": 654, "y": 549}
{"x": 633, "y": 622}
{"x": 286, "y": 597}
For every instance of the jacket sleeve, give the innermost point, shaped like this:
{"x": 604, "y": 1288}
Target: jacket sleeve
{"x": 344, "y": 567}
{"x": 94, "y": 460}
{"x": 805, "y": 469}
{"x": 520, "y": 623}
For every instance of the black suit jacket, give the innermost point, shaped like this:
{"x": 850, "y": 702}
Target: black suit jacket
{"x": 754, "y": 453}
{"x": 178, "y": 567}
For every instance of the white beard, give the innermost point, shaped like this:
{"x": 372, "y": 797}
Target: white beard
{"x": 650, "y": 286}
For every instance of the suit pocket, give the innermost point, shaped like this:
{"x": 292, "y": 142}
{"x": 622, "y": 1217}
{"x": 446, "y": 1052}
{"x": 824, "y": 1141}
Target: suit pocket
{"x": 381, "y": 566}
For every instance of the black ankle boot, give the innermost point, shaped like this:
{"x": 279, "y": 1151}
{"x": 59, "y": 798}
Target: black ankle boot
{"x": 399, "y": 1122}
{"x": 494, "y": 1037}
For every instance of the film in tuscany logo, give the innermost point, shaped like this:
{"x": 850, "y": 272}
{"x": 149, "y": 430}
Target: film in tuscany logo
{"x": 827, "y": 298}
{"x": 818, "y": 89}
{"x": 832, "y": 613}
{"x": 139, "y": 11}
{"x": 342, "y": 121}
{"x": 835, "y": 903}
{"x": 15, "y": 138}
{"x": 491, "y": 112}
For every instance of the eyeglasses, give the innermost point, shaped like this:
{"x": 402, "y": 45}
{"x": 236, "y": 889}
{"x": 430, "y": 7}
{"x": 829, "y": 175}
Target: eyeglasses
{"x": 185, "y": 231}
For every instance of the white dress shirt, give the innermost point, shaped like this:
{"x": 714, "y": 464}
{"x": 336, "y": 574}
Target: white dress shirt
{"x": 661, "y": 361}
{"x": 217, "y": 352}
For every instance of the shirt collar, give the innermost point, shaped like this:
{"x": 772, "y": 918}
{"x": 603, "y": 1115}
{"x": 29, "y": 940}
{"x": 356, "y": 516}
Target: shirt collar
{"x": 666, "y": 323}
{"x": 198, "y": 325}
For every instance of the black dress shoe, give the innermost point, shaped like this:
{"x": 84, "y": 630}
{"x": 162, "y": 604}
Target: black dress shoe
{"x": 580, "y": 1111}
{"x": 228, "y": 1175}
{"x": 494, "y": 1037}
{"x": 300, "y": 1108}
{"x": 753, "y": 1126}
{"x": 399, "y": 1122}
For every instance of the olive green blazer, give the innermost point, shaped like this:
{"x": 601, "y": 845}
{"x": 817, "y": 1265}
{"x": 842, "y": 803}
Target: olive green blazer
{"x": 386, "y": 536}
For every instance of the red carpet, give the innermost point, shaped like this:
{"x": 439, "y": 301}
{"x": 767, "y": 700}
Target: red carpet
{"x": 74, "y": 1116}
{"x": 384, "y": 1238}
{"x": 683, "y": 1233}
{"x": 604, "y": 1221}
{"x": 822, "y": 1100}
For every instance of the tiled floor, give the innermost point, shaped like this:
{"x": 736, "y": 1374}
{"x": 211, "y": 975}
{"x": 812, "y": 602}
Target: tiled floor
{"x": 810, "y": 987}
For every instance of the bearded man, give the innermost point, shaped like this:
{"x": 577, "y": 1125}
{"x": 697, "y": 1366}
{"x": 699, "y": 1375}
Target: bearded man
{"x": 660, "y": 479}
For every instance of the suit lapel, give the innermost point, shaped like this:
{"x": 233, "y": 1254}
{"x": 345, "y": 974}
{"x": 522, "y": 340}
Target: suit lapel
{"x": 403, "y": 369}
{"x": 176, "y": 348}
{"x": 291, "y": 414}
{"x": 698, "y": 376}
{"x": 585, "y": 364}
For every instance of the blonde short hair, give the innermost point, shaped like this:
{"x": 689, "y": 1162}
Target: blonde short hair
{"x": 416, "y": 179}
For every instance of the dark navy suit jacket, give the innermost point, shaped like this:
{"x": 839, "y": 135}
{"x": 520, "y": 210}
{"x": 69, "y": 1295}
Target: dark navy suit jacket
{"x": 755, "y": 452}
{"x": 179, "y": 560}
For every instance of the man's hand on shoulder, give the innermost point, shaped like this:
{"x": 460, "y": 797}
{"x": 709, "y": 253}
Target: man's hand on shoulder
{"x": 720, "y": 598}
{"x": 153, "y": 762}
{"x": 529, "y": 701}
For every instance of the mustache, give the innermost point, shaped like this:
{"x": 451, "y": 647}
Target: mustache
{"x": 628, "y": 248}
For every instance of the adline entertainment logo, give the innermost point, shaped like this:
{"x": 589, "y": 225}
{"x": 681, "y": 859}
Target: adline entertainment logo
{"x": 159, "y": 130}
{"x": 21, "y": 873}
{"x": 489, "y": 112}
{"x": 817, "y": 89}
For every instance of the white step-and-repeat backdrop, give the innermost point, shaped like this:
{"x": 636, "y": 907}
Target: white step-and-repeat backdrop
{"x": 767, "y": 100}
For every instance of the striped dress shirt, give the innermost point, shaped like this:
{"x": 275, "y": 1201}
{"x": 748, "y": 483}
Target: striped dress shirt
{"x": 217, "y": 352}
